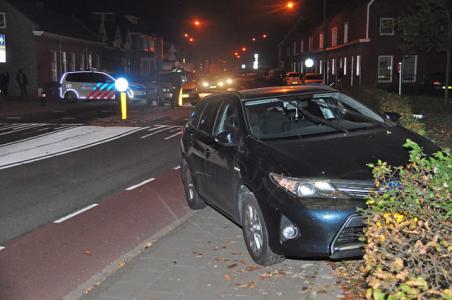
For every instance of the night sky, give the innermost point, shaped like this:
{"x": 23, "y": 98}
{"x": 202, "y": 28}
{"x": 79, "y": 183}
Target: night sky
{"x": 230, "y": 24}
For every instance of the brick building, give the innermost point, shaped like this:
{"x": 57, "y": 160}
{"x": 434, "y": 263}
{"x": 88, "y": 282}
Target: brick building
{"x": 362, "y": 46}
{"x": 45, "y": 45}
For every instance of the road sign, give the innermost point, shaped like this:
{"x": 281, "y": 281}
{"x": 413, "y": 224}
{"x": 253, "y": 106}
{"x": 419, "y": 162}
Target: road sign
{"x": 172, "y": 51}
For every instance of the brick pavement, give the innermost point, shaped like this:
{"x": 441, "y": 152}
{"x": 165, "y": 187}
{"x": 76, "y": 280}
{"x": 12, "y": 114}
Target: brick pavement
{"x": 206, "y": 258}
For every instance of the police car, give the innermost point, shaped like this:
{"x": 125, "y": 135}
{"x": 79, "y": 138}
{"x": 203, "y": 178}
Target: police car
{"x": 93, "y": 85}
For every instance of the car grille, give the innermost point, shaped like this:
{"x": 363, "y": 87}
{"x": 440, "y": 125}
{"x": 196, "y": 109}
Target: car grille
{"x": 348, "y": 238}
{"x": 356, "y": 189}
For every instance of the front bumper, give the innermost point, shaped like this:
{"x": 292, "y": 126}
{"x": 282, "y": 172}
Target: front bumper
{"x": 326, "y": 227}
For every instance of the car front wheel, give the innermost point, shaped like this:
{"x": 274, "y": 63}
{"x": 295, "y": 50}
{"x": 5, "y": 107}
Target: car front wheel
{"x": 193, "y": 199}
{"x": 255, "y": 233}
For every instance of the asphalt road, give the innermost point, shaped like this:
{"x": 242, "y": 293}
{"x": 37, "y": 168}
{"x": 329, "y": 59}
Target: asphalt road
{"x": 35, "y": 251}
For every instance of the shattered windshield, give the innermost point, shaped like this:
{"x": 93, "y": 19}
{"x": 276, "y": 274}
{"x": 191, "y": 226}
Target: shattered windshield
{"x": 314, "y": 114}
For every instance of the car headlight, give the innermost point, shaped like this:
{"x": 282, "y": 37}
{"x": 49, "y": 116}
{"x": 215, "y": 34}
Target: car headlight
{"x": 221, "y": 83}
{"x": 205, "y": 84}
{"x": 307, "y": 188}
{"x": 229, "y": 81}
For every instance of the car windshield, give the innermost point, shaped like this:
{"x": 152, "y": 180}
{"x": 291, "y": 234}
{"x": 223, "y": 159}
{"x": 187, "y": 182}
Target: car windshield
{"x": 308, "y": 115}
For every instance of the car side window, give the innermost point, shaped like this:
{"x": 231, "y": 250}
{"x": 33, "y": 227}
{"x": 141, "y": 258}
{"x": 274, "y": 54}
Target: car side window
{"x": 208, "y": 116}
{"x": 193, "y": 120}
{"x": 228, "y": 118}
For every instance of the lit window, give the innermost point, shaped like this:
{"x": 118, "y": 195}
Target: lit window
{"x": 73, "y": 62}
{"x": 64, "y": 61}
{"x": 53, "y": 66}
{"x": 385, "y": 68}
{"x": 321, "y": 41}
{"x": 345, "y": 66}
{"x": 334, "y": 37}
{"x": 346, "y": 33}
{"x": 321, "y": 66}
{"x": 386, "y": 26}
{"x": 82, "y": 62}
{"x": 2, "y": 20}
{"x": 409, "y": 68}
{"x": 333, "y": 66}
{"x": 358, "y": 65}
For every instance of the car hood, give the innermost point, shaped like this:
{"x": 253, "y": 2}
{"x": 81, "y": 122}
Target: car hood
{"x": 338, "y": 156}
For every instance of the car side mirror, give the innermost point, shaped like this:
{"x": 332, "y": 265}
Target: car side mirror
{"x": 228, "y": 138}
{"x": 393, "y": 116}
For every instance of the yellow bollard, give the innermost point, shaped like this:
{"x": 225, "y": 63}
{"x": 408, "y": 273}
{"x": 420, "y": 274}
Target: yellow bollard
{"x": 123, "y": 106}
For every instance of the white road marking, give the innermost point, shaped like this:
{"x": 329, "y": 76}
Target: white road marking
{"x": 156, "y": 132}
{"x": 173, "y": 136}
{"x": 75, "y": 213}
{"x": 2, "y": 248}
{"x": 25, "y": 127}
{"x": 140, "y": 184}
{"x": 41, "y": 135}
{"x": 60, "y": 143}
{"x": 13, "y": 118}
{"x": 157, "y": 127}
{"x": 176, "y": 168}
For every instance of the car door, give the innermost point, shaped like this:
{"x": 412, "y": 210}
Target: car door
{"x": 202, "y": 141}
{"x": 222, "y": 165}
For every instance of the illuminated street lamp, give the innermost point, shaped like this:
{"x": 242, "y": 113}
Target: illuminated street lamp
{"x": 244, "y": 49}
{"x": 264, "y": 36}
{"x": 186, "y": 35}
{"x": 192, "y": 40}
{"x": 253, "y": 39}
{"x": 290, "y": 5}
{"x": 197, "y": 23}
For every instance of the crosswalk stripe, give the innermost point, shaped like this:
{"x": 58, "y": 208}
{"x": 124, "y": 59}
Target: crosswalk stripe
{"x": 156, "y": 132}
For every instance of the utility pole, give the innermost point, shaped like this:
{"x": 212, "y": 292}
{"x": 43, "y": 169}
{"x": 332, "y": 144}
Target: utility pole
{"x": 325, "y": 43}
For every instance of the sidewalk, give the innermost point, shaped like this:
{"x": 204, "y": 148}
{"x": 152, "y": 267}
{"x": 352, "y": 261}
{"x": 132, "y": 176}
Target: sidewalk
{"x": 206, "y": 258}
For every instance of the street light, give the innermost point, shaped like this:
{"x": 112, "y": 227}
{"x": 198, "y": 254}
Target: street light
{"x": 290, "y": 5}
{"x": 244, "y": 49}
{"x": 197, "y": 23}
{"x": 264, "y": 36}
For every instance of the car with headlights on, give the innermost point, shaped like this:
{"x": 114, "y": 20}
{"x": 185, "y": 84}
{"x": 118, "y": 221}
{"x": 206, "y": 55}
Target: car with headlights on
{"x": 216, "y": 83}
{"x": 289, "y": 165}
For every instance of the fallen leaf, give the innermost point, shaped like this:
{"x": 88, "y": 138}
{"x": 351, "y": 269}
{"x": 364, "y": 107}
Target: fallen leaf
{"x": 253, "y": 268}
{"x": 227, "y": 277}
{"x": 88, "y": 253}
{"x": 247, "y": 285}
{"x": 232, "y": 266}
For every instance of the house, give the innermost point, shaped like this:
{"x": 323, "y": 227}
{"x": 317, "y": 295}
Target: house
{"x": 130, "y": 48}
{"x": 45, "y": 45}
{"x": 361, "y": 46}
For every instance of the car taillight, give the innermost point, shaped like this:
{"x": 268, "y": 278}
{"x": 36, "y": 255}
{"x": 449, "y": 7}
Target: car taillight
{"x": 436, "y": 82}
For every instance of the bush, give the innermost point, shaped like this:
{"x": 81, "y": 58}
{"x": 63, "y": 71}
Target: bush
{"x": 409, "y": 233}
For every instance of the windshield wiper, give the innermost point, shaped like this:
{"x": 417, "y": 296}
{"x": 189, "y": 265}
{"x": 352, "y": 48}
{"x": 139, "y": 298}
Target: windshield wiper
{"x": 320, "y": 120}
{"x": 344, "y": 111}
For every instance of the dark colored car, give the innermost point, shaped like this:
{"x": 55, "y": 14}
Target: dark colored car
{"x": 312, "y": 78}
{"x": 289, "y": 165}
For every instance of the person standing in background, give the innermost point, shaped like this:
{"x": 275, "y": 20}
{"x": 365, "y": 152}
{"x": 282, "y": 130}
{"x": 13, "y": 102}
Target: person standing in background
{"x": 22, "y": 81}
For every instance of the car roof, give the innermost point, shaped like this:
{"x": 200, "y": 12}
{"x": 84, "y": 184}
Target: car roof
{"x": 283, "y": 90}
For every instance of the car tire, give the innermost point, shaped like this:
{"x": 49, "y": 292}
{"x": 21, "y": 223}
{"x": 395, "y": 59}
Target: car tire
{"x": 70, "y": 97}
{"x": 255, "y": 233}
{"x": 191, "y": 194}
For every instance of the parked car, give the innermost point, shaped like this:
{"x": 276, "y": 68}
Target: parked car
{"x": 293, "y": 78}
{"x": 437, "y": 82}
{"x": 289, "y": 165}
{"x": 313, "y": 78}
{"x": 276, "y": 76}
